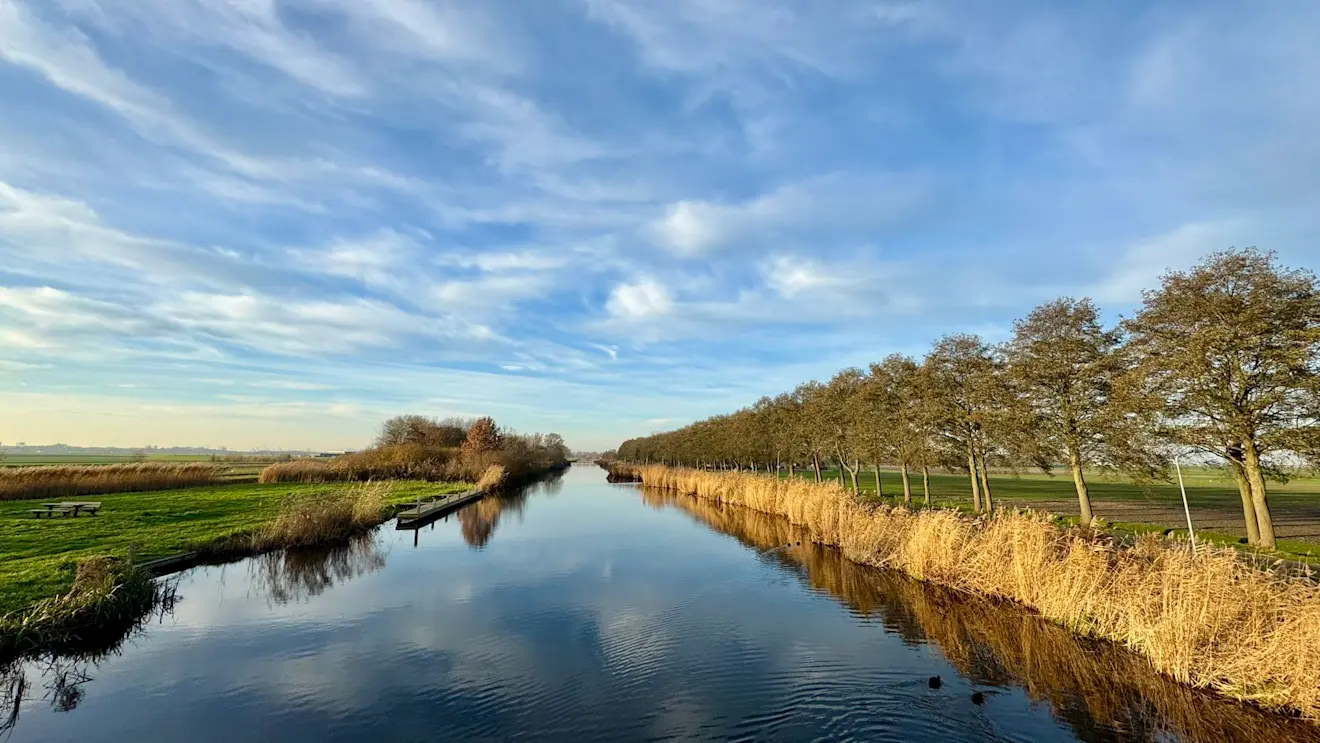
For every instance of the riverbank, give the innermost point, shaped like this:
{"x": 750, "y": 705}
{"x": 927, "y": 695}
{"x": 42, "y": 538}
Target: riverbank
{"x": 41, "y": 555}
{"x": 1094, "y": 686}
{"x": 1207, "y": 619}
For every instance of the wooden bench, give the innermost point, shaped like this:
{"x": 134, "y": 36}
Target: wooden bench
{"x": 67, "y": 508}
{"x": 84, "y": 507}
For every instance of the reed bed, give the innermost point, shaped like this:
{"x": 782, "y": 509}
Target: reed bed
{"x": 403, "y": 462}
{"x": 1207, "y": 619}
{"x": 306, "y": 520}
{"x": 28, "y": 483}
{"x": 108, "y": 597}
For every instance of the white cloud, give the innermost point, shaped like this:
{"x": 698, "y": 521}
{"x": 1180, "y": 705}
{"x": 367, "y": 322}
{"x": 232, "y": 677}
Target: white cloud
{"x": 693, "y": 226}
{"x": 10, "y": 365}
{"x": 838, "y": 205}
{"x": 790, "y": 276}
{"x": 504, "y": 261}
{"x": 641, "y": 299}
{"x": 281, "y": 384}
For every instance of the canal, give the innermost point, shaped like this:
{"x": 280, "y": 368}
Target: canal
{"x": 577, "y": 610}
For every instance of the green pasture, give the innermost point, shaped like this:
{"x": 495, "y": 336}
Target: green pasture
{"x": 38, "y": 555}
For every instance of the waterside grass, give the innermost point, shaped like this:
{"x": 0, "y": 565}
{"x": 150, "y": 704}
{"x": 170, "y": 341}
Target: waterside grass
{"x": 41, "y": 555}
{"x": 1208, "y": 619}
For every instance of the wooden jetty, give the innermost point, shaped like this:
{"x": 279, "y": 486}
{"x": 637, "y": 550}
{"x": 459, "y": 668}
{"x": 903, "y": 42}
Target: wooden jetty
{"x": 425, "y": 513}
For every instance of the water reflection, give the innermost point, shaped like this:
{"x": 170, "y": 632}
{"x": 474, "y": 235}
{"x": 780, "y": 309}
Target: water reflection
{"x": 302, "y": 574}
{"x": 57, "y": 679}
{"x": 480, "y": 520}
{"x": 1101, "y": 691}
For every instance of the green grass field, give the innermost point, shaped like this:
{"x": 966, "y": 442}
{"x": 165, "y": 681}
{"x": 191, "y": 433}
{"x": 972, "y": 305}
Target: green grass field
{"x": 1205, "y": 487}
{"x": 39, "y": 554}
{"x": 1211, "y": 495}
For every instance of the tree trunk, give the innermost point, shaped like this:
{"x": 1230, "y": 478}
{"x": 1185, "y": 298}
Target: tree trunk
{"x": 907, "y": 483}
{"x": 791, "y": 474}
{"x": 925, "y": 483}
{"x": 879, "y": 486}
{"x": 1256, "y": 479}
{"x": 987, "y": 499}
{"x": 1248, "y": 508}
{"x": 857, "y": 466}
{"x": 815, "y": 465}
{"x": 1079, "y": 480}
{"x": 976, "y": 488}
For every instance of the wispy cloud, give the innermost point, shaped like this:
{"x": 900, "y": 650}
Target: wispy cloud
{"x": 341, "y": 211}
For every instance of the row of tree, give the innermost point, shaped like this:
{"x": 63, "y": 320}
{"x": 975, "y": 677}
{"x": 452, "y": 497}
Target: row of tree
{"x": 1221, "y": 361}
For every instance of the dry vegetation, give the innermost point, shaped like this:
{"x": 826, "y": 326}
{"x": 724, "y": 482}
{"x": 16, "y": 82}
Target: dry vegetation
{"x": 28, "y": 483}
{"x": 416, "y": 448}
{"x": 307, "y": 520}
{"x": 1206, "y": 619}
{"x": 108, "y": 597}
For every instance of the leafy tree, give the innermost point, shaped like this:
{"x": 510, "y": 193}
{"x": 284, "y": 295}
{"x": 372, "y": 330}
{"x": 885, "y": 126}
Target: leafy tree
{"x": 896, "y": 394}
{"x": 1063, "y": 363}
{"x": 483, "y": 437}
{"x": 810, "y": 428}
{"x": 842, "y": 414}
{"x": 972, "y": 408}
{"x": 1227, "y": 354}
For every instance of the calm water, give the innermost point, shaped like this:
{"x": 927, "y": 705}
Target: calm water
{"x": 583, "y": 611}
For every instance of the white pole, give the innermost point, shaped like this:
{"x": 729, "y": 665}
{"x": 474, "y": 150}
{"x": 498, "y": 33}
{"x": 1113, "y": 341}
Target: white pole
{"x": 1186, "y": 510}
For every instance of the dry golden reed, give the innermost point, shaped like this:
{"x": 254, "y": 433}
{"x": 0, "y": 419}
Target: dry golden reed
{"x": 27, "y": 483}
{"x": 318, "y": 518}
{"x": 1206, "y": 619}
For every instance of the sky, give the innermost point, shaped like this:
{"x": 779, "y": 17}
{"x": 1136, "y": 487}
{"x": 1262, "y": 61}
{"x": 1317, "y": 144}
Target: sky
{"x": 262, "y": 223}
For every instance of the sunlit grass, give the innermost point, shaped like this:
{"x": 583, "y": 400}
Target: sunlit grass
{"x": 40, "y": 555}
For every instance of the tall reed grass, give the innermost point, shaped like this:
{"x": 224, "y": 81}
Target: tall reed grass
{"x": 411, "y": 462}
{"x": 27, "y": 483}
{"x": 401, "y": 462}
{"x": 309, "y": 519}
{"x": 1207, "y": 619}
{"x": 108, "y": 597}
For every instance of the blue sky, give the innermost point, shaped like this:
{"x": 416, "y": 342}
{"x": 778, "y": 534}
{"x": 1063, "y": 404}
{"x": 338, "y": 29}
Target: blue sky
{"x": 261, "y": 223}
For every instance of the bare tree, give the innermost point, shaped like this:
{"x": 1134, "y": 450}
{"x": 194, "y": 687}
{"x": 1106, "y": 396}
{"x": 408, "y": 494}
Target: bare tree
{"x": 1228, "y": 355}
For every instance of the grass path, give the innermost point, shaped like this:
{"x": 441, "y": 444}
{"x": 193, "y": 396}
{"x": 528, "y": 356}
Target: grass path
{"x": 38, "y": 555}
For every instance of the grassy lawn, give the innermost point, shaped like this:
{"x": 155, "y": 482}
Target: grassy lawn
{"x": 39, "y": 554}
{"x": 1205, "y": 488}
{"x": 1208, "y": 490}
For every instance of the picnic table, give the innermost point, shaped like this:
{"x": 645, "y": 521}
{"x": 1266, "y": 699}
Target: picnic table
{"x": 66, "y": 508}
